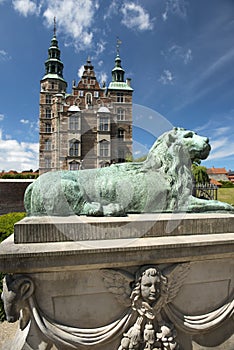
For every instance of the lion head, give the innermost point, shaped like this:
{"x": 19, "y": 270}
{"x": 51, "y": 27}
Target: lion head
{"x": 182, "y": 140}
{"x": 172, "y": 155}
{"x": 197, "y": 146}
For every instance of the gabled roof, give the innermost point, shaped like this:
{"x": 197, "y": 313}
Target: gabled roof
{"x": 214, "y": 170}
{"x": 215, "y": 182}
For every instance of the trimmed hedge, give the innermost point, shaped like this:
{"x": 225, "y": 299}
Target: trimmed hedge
{"x": 6, "y": 229}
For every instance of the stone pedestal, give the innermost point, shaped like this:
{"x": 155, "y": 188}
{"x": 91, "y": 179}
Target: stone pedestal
{"x": 77, "y": 282}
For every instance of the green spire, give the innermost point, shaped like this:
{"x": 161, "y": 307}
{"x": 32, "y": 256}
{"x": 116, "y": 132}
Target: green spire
{"x": 53, "y": 65}
{"x": 118, "y": 71}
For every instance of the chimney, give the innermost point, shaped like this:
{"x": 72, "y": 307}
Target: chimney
{"x": 128, "y": 81}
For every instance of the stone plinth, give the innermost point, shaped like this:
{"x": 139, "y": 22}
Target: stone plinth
{"x": 79, "y": 282}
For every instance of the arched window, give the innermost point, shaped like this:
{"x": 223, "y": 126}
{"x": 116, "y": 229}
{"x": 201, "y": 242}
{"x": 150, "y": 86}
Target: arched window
{"x": 88, "y": 99}
{"x": 104, "y": 148}
{"x": 74, "y": 165}
{"x": 121, "y": 134}
{"x": 74, "y": 148}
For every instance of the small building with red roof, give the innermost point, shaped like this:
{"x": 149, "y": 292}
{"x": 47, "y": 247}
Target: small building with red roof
{"x": 218, "y": 174}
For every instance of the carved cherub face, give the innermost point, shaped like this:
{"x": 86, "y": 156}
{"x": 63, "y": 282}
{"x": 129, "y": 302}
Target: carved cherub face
{"x": 150, "y": 285}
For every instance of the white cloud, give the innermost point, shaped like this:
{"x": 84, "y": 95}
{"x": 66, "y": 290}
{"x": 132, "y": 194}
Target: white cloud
{"x": 4, "y": 56}
{"x": 1, "y": 117}
{"x": 136, "y": 17}
{"x": 216, "y": 65}
{"x": 176, "y": 51}
{"x": 80, "y": 71}
{"x": 18, "y": 156}
{"x": 102, "y": 77}
{"x": 26, "y": 7}
{"x": 100, "y": 47}
{"x": 74, "y": 19}
{"x": 24, "y": 121}
{"x": 166, "y": 78}
{"x": 175, "y": 7}
{"x": 113, "y": 9}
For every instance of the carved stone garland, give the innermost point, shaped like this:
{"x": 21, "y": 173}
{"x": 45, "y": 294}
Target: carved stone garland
{"x": 142, "y": 326}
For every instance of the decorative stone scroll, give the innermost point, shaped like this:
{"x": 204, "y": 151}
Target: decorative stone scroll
{"x": 149, "y": 321}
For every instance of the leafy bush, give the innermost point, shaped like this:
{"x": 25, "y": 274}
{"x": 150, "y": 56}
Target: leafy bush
{"x": 227, "y": 184}
{"x": 6, "y": 229}
{"x": 19, "y": 176}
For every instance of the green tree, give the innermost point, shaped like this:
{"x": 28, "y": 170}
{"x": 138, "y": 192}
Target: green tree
{"x": 200, "y": 174}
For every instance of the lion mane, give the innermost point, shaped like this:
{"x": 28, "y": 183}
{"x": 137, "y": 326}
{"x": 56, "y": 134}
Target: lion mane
{"x": 162, "y": 183}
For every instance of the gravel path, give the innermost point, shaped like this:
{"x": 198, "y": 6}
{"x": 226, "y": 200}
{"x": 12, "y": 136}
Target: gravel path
{"x": 7, "y": 331}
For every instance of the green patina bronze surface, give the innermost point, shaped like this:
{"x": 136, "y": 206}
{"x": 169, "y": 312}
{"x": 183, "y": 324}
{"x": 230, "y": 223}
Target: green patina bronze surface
{"x": 162, "y": 183}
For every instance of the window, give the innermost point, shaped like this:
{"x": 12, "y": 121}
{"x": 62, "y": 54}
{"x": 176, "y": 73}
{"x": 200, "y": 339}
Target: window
{"x": 47, "y": 127}
{"x": 120, "y": 114}
{"x": 103, "y": 124}
{"x": 88, "y": 99}
{"x": 48, "y": 99}
{"x": 48, "y": 113}
{"x": 81, "y": 93}
{"x": 74, "y": 165}
{"x": 47, "y": 145}
{"x": 74, "y": 148}
{"x": 104, "y": 149}
{"x": 96, "y": 94}
{"x": 121, "y": 155}
{"x": 120, "y": 97}
{"x": 52, "y": 85}
{"x": 121, "y": 134}
{"x": 74, "y": 122}
{"x": 47, "y": 163}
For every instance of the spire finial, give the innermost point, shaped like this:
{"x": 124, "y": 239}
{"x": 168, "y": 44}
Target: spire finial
{"x": 118, "y": 43}
{"x": 54, "y": 26}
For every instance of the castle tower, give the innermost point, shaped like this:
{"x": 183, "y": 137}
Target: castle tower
{"x": 52, "y": 83}
{"x": 120, "y": 93}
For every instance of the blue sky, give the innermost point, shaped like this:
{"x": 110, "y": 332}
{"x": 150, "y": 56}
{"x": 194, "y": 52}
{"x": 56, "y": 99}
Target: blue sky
{"x": 178, "y": 53}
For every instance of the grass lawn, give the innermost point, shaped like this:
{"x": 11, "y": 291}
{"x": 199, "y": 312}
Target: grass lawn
{"x": 226, "y": 195}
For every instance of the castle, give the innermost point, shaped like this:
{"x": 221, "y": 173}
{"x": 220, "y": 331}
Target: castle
{"x": 90, "y": 127}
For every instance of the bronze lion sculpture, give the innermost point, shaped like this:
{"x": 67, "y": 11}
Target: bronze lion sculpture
{"x": 162, "y": 183}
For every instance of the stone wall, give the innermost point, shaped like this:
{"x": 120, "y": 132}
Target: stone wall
{"x": 12, "y": 195}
